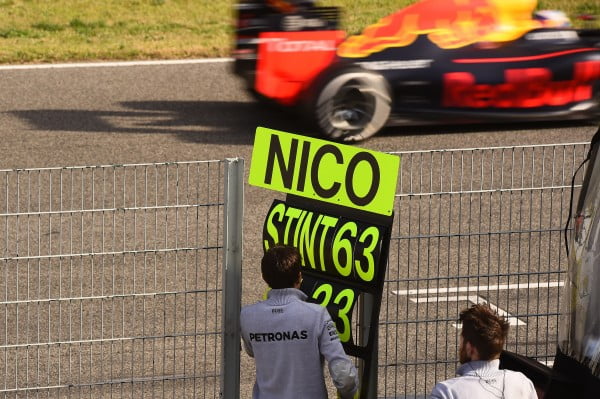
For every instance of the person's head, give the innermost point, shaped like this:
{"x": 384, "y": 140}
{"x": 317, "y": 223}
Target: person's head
{"x": 483, "y": 333}
{"x": 281, "y": 267}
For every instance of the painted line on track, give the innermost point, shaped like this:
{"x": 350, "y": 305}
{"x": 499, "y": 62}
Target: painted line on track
{"x": 112, "y": 64}
{"x": 442, "y": 294}
{"x": 500, "y": 287}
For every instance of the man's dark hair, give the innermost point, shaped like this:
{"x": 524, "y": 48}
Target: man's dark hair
{"x": 280, "y": 266}
{"x": 484, "y": 329}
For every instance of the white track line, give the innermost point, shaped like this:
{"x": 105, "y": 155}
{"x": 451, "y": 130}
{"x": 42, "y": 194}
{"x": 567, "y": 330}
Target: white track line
{"x": 520, "y": 286}
{"x": 436, "y": 295}
{"x": 473, "y": 299}
{"x": 112, "y": 64}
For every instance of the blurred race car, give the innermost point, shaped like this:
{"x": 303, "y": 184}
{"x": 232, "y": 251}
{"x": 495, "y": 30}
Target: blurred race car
{"x": 435, "y": 61}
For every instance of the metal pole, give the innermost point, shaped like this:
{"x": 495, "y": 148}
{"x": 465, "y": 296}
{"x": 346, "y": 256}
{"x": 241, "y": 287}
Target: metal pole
{"x": 232, "y": 277}
{"x": 366, "y": 318}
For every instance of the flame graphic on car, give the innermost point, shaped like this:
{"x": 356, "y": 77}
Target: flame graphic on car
{"x": 447, "y": 23}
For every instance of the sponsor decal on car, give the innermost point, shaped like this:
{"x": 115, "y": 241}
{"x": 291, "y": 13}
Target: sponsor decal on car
{"x": 296, "y": 46}
{"x": 553, "y": 35}
{"x": 523, "y": 88}
{"x": 391, "y": 65}
{"x": 298, "y": 22}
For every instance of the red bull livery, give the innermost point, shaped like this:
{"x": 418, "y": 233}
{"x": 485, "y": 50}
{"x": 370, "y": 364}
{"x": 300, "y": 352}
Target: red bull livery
{"x": 435, "y": 61}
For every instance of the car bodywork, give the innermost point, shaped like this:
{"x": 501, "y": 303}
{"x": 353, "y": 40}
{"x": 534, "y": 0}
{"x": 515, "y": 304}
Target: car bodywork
{"x": 435, "y": 61}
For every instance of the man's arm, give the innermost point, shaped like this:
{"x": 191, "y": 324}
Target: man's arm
{"x": 245, "y": 342}
{"x": 341, "y": 368}
{"x": 533, "y": 392}
{"x": 247, "y": 347}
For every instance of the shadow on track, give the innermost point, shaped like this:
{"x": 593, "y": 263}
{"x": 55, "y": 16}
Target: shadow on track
{"x": 226, "y": 122}
{"x": 210, "y": 122}
{"x": 466, "y": 128}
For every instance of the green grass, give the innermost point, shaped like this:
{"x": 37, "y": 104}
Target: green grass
{"x": 76, "y": 30}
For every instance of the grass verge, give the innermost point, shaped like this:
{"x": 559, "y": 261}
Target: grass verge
{"x": 33, "y": 31}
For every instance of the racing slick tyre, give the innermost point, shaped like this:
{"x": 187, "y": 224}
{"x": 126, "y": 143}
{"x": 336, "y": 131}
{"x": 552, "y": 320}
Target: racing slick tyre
{"x": 352, "y": 105}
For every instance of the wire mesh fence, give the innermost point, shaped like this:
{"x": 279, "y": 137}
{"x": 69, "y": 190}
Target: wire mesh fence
{"x": 473, "y": 226}
{"x": 110, "y": 281}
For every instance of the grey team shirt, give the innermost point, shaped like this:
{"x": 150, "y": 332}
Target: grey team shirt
{"x": 483, "y": 379}
{"x": 289, "y": 339}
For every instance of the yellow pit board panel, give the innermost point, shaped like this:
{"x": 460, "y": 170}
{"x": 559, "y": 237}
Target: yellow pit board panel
{"x": 324, "y": 171}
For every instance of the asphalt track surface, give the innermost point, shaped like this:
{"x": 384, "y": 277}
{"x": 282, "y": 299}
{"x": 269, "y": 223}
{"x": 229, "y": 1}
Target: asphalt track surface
{"x": 128, "y": 113}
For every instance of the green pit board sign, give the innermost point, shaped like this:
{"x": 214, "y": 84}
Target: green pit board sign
{"x": 338, "y": 213}
{"x": 324, "y": 171}
{"x": 343, "y": 258}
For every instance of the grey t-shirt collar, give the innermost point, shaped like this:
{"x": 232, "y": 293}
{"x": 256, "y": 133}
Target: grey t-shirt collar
{"x": 479, "y": 368}
{"x": 285, "y": 295}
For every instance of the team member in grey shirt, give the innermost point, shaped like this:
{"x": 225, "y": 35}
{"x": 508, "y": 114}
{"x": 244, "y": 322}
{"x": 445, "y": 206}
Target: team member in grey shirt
{"x": 290, "y": 338}
{"x": 481, "y": 341}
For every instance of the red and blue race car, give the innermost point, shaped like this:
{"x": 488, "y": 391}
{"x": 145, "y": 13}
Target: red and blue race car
{"x": 435, "y": 61}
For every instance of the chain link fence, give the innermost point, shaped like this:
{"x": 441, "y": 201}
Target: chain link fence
{"x": 111, "y": 281}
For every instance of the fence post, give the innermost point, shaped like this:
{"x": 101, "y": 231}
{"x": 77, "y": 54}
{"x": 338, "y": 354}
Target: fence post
{"x": 366, "y": 317}
{"x": 232, "y": 277}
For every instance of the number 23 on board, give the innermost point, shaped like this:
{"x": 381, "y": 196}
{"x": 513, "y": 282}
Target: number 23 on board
{"x": 343, "y": 301}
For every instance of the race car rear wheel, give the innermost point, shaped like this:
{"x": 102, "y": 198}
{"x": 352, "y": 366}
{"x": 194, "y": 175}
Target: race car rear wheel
{"x": 352, "y": 105}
